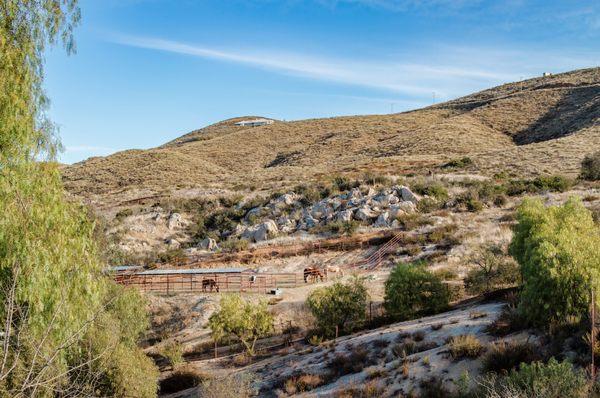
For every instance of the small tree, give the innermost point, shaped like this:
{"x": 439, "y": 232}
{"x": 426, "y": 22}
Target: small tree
{"x": 492, "y": 270}
{"x": 557, "y": 249}
{"x": 341, "y": 305}
{"x": 590, "y": 167}
{"x": 243, "y": 319}
{"x": 411, "y": 289}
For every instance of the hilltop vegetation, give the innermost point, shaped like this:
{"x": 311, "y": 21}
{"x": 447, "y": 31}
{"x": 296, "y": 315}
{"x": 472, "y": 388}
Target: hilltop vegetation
{"x": 535, "y": 127}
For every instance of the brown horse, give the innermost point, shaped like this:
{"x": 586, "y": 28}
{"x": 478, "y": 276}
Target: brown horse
{"x": 211, "y": 284}
{"x": 313, "y": 273}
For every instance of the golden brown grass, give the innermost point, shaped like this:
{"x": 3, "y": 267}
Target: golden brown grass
{"x": 539, "y": 126}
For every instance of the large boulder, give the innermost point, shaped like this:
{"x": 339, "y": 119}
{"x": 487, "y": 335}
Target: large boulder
{"x": 402, "y": 208}
{"x": 321, "y": 210}
{"x": 335, "y": 203}
{"x": 208, "y": 244}
{"x": 344, "y": 215}
{"x": 385, "y": 200}
{"x": 265, "y": 231}
{"x": 365, "y": 213}
{"x": 407, "y": 195}
{"x": 174, "y": 221}
{"x": 383, "y": 219}
{"x": 307, "y": 223}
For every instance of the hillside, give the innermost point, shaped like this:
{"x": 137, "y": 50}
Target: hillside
{"x": 540, "y": 126}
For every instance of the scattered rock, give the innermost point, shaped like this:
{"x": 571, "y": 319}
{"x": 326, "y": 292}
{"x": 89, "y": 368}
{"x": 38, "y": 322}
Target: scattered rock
{"x": 174, "y": 221}
{"x": 173, "y": 243}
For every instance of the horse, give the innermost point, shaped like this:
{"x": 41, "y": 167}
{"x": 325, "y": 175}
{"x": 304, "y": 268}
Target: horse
{"x": 334, "y": 269}
{"x": 313, "y": 273}
{"x": 210, "y": 283}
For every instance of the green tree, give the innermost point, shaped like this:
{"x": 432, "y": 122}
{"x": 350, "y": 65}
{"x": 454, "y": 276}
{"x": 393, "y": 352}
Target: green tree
{"x": 67, "y": 330}
{"x": 341, "y": 305}
{"x": 590, "y": 167}
{"x": 411, "y": 289}
{"x": 557, "y": 249}
{"x": 245, "y": 320}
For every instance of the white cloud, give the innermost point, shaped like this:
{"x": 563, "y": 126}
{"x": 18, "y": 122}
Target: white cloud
{"x": 414, "y": 79}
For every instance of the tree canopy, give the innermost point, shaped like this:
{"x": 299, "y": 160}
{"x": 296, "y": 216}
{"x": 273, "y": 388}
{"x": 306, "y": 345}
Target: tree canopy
{"x": 67, "y": 329}
{"x": 342, "y": 304}
{"x": 246, "y": 320}
{"x": 411, "y": 289}
{"x": 557, "y": 249}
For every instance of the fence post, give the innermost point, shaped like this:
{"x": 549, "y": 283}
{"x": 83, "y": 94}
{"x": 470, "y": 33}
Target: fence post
{"x": 215, "y": 348}
{"x": 336, "y": 332}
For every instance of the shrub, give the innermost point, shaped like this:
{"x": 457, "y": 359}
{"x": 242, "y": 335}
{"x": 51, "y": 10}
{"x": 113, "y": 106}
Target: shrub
{"x": 340, "y": 183}
{"x": 412, "y": 221}
{"x": 430, "y": 188}
{"x": 428, "y": 205}
{"x": 552, "y": 380}
{"x": 465, "y": 346}
{"x": 353, "y": 362}
{"x": 590, "y": 167}
{"x": 509, "y": 321}
{"x": 245, "y": 320}
{"x": 434, "y": 388}
{"x": 458, "y": 163}
{"x": 173, "y": 353}
{"x": 503, "y": 356}
{"x": 347, "y": 228}
{"x": 341, "y": 305}
{"x": 235, "y": 245}
{"x": 122, "y": 214}
{"x": 376, "y": 179}
{"x": 557, "y": 249}
{"x": 302, "y": 383}
{"x": 493, "y": 270}
{"x": 411, "y": 290}
{"x": 235, "y": 386}
{"x": 540, "y": 184}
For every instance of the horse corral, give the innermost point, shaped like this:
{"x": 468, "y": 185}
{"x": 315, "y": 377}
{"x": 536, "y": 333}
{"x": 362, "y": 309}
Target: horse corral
{"x": 209, "y": 280}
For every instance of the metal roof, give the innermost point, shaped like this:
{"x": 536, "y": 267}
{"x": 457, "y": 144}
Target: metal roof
{"x": 193, "y": 271}
{"x": 121, "y": 268}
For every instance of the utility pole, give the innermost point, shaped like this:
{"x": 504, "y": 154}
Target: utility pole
{"x": 434, "y": 97}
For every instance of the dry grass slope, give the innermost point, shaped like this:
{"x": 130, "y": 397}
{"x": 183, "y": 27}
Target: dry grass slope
{"x": 539, "y": 126}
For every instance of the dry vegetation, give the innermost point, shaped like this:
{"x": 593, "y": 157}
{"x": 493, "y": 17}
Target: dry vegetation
{"x": 539, "y": 126}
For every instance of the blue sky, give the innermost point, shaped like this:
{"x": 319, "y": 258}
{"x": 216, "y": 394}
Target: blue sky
{"x": 147, "y": 71}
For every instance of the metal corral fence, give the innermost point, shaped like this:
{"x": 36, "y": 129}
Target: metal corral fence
{"x": 197, "y": 280}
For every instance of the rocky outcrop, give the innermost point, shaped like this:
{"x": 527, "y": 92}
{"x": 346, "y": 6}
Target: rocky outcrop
{"x": 208, "y": 244}
{"x": 174, "y": 221}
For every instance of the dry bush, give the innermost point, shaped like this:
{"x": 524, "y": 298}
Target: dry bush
{"x": 353, "y": 362}
{"x": 503, "y": 356}
{"x": 465, "y": 346}
{"x": 302, "y": 383}
{"x": 370, "y": 389}
{"x": 434, "y": 388}
{"x": 235, "y": 386}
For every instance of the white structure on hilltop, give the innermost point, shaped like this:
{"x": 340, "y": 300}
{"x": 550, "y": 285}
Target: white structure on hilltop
{"x": 254, "y": 122}
{"x": 547, "y": 74}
